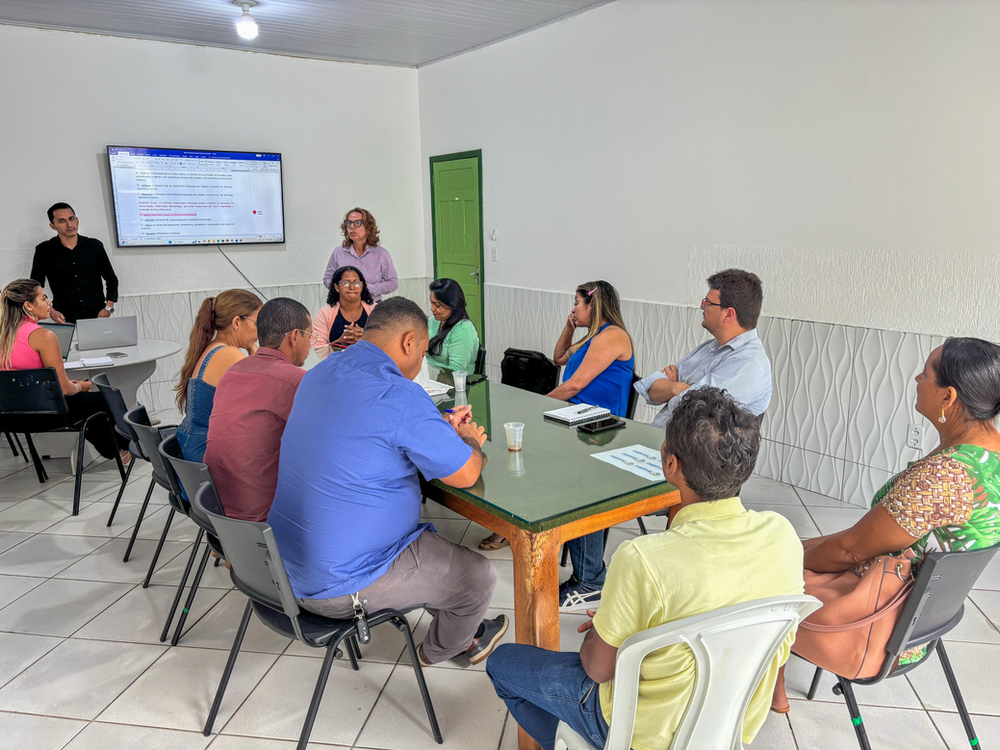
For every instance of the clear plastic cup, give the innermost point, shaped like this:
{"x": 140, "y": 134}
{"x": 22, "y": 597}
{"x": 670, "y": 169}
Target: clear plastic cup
{"x": 515, "y": 435}
{"x": 459, "y": 376}
{"x": 515, "y": 464}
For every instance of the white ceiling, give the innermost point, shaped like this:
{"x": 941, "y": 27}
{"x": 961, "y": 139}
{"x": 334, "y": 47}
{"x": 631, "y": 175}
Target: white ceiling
{"x": 395, "y": 32}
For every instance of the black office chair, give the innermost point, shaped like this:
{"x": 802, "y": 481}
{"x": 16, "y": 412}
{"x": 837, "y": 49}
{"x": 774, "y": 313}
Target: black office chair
{"x": 934, "y": 607}
{"x": 258, "y": 571}
{"x": 116, "y": 405}
{"x": 33, "y": 401}
{"x": 189, "y": 476}
{"x": 480, "y": 361}
{"x": 529, "y": 371}
{"x": 149, "y": 438}
{"x": 633, "y": 397}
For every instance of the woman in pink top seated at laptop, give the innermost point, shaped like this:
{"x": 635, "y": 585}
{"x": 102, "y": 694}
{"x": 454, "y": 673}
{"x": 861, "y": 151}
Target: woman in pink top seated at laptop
{"x": 25, "y": 345}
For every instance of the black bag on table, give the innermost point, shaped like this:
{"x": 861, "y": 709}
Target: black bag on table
{"x": 529, "y": 371}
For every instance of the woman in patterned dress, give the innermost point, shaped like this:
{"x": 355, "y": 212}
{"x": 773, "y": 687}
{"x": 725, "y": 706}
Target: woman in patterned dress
{"x": 948, "y": 501}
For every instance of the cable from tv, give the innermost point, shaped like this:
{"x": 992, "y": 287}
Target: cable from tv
{"x": 266, "y": 298}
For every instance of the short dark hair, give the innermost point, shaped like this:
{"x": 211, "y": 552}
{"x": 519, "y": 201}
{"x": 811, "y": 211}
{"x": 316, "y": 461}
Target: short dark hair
{"x": 333, "y": 297}
{"x": 391, "y": 315}
{"x": 56, "y": 207}
{"x": 279, "y": 317}
{"x": 716, "y": 441}
{"x": 972, "y": 367}
{"x": 742, "y": 291}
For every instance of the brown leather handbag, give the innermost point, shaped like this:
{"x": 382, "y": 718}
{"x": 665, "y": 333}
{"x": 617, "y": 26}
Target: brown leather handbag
{"x": 849, "y": 633}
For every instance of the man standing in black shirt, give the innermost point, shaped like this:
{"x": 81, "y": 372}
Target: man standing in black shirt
{"x": 74, "y": 266}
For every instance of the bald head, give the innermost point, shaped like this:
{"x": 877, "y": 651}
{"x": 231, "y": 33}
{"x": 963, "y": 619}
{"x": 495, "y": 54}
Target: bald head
{"x": 398, "y": 327}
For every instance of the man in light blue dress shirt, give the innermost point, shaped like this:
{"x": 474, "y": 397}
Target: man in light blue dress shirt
{"x": 734, "y": 359}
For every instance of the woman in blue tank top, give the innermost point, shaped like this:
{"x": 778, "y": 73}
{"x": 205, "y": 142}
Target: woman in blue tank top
{"x": 598, "y": 372}
{"x": 598, "y": 367}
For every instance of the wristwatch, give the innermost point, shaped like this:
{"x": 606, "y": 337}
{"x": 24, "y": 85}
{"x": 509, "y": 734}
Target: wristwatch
{"x": 110, "y": 309}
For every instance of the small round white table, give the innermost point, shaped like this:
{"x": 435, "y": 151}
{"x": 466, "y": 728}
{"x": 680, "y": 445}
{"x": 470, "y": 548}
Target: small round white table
{"x": 128, "y": 372}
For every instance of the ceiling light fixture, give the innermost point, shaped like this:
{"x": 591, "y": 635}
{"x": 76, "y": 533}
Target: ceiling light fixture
{"x": 246, "y": 25}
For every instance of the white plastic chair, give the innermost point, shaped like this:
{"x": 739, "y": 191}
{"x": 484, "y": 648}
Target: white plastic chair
{"x": 732, "y": 649}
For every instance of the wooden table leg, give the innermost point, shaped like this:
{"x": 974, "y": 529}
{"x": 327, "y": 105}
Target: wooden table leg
{"x": 536, "y": 598}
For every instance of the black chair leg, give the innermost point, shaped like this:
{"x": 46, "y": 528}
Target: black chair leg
{"x": 228, "y": 671}
{"x": 36, "y": 459}
{"x": 352, "y": 644}
{"x": 138, "y": 521}
{"x": 190, "y": 600}
{"x": 642, "y": 526}
{"x": 970, "y": 731}
{"x": 815, "y": 684}
{"x": 13, "y": 448}
{"x": 317, "y": 698}
{"x": 156, "y": 555}
{"x": 81, "y": 447}
{"x": 352, "y": 653}
{"x": 843, "y": 687}
{"x": 121, "y": 491}
{"x": 403, "y": 626}
{"x": 565, "y": 557}
{"x": 24, "y": 453}
{"x": 181, "y": 585}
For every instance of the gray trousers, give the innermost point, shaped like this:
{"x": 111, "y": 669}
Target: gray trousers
{"x": 453, "y": 583}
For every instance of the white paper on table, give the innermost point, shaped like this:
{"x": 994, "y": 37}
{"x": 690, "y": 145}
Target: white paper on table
{"x": 638, "y": 459}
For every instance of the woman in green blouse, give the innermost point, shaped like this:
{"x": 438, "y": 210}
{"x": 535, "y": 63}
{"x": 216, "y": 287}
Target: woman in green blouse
{"x": 454, "y": 342}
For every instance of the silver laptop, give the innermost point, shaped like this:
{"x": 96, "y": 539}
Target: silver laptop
{"x": 64, "y": 332}
{"x": 100, "y": 333}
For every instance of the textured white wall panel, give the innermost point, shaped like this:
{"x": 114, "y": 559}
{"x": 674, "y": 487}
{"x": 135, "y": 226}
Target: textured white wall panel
{"x": 818, "y": 387}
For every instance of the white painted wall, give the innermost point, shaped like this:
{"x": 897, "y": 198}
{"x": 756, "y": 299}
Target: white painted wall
{"x": 847, "y": 152}
{"x": 348, "y": 135}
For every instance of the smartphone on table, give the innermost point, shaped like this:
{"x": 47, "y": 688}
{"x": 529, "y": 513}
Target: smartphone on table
{"x": 611, "y": 423}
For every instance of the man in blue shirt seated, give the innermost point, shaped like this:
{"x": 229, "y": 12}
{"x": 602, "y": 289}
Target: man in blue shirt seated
{"x": 346, "y": 512}
{"x": 733, "y": 359}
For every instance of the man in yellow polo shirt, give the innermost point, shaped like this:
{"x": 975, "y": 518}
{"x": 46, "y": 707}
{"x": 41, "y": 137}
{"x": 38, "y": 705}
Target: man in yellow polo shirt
{"x": 716, "y": 553}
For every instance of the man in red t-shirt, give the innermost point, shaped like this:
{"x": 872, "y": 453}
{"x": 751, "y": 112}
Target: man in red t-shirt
{"x": 252, "y": 403}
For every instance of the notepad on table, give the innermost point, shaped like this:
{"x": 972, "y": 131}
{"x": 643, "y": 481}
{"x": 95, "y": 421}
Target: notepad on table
{"x": 89, "y": 363}
{"x": 578, "y": 414}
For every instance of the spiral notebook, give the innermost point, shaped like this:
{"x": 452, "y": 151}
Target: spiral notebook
{"x": 578, "y": 414}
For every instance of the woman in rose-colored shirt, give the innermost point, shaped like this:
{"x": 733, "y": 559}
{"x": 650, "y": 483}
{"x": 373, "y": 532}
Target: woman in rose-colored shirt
{"x": 361, "y": 250}
{"x": 342, "y": 320}
{"x": 25, "y": 345}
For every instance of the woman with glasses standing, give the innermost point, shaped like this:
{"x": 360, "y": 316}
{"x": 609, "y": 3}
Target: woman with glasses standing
{"x": 342, "y": 320}
{"x": 361, "y": 250}
{"x": 225, "y": 326}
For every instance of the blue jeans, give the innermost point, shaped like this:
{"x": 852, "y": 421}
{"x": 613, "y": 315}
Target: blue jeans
{"x": 587, "y": 554}
{"x": 542, "y": 688}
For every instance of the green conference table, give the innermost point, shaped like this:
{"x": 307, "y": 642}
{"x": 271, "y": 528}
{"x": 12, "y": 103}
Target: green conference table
{"x": 546, "y": 494}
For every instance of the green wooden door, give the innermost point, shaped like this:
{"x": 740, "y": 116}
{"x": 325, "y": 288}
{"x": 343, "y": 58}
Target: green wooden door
{"x": 458, "y": 229}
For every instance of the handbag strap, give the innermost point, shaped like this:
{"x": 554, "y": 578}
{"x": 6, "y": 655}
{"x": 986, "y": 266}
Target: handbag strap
{"x": 893, "y": 603}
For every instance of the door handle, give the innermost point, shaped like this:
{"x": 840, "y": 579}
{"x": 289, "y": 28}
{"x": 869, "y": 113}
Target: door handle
{"x": 476, "y": 274}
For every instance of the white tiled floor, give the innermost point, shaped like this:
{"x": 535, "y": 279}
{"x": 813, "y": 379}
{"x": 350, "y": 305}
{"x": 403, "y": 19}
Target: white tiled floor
{"x": 82, "y": 667}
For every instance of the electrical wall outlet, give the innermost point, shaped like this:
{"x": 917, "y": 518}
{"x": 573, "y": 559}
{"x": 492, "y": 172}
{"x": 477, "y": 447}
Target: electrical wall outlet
{"x": 915, "y": 436}
{"x": 496, "y": 254}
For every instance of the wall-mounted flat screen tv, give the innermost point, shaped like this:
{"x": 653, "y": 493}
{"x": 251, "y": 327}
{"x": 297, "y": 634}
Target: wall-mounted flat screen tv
{"x": 165, "y": 196}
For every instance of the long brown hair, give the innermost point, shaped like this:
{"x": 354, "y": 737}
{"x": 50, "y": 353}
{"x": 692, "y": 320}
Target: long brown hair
{"x": 215, "y": 314}
{"x": 371, "y": 239}
{"x": 12, "y": 313}
{"x": 605, "y": 307}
